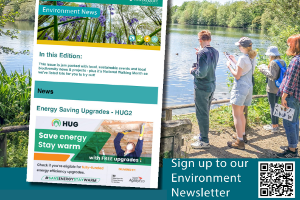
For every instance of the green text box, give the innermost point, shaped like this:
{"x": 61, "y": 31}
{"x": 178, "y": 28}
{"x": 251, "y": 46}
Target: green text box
{"x": 96, "y": 92}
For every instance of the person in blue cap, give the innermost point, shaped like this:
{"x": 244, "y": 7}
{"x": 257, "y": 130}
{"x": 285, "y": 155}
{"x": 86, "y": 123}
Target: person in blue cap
{"x": 132, "y": 150}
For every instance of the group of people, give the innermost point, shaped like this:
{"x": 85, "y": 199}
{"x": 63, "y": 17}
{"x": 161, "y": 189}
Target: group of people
{"x": 242, "y": 90}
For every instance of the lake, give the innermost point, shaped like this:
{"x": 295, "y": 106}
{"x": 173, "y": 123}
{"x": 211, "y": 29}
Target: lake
{"x": 24, "y": 42}
{"x": 181, "y": 40}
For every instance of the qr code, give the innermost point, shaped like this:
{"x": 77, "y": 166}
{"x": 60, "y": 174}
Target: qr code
{"x": 276, "y": 179}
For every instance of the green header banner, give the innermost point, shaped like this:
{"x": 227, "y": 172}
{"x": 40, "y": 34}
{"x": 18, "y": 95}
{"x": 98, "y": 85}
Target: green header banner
{"x": 96, "y": 92}
{"x": 69, "y": 11}
{"x": 157, "y": 3}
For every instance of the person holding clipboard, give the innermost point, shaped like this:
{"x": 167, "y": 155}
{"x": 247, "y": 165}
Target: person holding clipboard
{"x": 241, "y": 93}
{"x": 289, "y": 90}
{"x": 272, "y": 72}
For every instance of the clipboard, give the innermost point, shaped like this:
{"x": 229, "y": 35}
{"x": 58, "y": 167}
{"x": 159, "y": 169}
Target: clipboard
{"x": 263, "y": 66}
{"x": 282, "y": 112}
{"x": 231, "y": 62}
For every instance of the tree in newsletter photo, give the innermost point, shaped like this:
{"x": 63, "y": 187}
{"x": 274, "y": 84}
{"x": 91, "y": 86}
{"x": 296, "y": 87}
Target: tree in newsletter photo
{"x": 231, "y": 83}
{"x": 116, "y": 24}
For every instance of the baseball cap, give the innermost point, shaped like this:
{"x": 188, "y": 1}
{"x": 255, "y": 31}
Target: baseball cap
{"x": 244, "y": 42}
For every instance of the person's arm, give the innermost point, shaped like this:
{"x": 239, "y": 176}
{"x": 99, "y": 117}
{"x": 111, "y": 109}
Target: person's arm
{"x": 238, "y": 73}
{"x": 139, "y": 147}
{"x": 202, "y": 69}
{"x": 271, "y": 73}
{"x": 117, "y": 145}
{"x": 292, "y": 77}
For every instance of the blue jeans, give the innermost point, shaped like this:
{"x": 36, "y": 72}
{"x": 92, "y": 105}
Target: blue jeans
{"x": 292, "y": 127}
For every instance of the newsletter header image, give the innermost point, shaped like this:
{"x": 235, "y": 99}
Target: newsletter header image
{"x": 117, "y": 24}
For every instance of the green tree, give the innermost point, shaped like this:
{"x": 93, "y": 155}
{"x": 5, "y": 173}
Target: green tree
{"x": 4, "y": 18}
{"x": 243, "y": 16}
{"x": 210, "y": 14}
{"x": 223, "y": 15}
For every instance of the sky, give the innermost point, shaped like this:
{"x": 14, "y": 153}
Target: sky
{"x": 179, "y": 2}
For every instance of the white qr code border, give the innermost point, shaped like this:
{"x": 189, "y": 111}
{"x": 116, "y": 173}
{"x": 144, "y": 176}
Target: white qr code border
{"x": 259, "y": 180}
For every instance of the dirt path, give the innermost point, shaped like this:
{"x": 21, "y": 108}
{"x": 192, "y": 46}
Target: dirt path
{"x": 261, "y": 144}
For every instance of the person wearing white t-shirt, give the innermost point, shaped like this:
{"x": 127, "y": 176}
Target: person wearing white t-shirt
{"x": 242, "y": 90}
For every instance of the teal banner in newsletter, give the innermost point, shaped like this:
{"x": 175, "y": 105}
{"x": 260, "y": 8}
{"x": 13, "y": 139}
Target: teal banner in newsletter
{"x": 156, "y": 3}
{"x": 96, "y": 92}
{"x": 233, "y": 179}
{"x": 69, "y": 11}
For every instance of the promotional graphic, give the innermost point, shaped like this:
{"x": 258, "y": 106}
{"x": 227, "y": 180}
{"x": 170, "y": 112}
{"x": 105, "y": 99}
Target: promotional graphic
{"x": 97, "y": 92}
{"x": 92, "y": 151}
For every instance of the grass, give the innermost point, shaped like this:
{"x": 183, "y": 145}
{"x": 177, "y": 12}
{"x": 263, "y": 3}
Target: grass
{"x": 221, "y": 117}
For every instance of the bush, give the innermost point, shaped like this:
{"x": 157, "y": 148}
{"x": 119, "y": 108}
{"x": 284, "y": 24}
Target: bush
{"x": 15, "y": 93}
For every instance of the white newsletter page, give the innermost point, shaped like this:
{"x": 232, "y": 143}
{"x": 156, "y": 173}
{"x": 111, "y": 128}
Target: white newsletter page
{"x": 97, "y": 92}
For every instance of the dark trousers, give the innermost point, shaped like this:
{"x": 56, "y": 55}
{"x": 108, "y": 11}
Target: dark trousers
{"x": 273, "y": 98}
{"x": 202, "y": 103}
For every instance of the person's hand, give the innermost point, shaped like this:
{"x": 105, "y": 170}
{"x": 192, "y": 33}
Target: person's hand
{"x": 194, "y": 68}
{"x": 142, "y": 131}
{"x": 284, "y": 103}
{"x": 228, "y": 63}
{"x": 197, "y": 51}
{"x": 283, "y": 100}
{"x": 232, "y": 58}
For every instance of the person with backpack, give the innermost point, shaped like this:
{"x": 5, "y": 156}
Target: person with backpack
{"x": 289, "y": 91}
{"x": 242, "y": 90}
{"x": 274, "y": 74}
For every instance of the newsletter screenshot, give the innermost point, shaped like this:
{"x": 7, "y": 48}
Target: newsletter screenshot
{"x": 97, "y": 92}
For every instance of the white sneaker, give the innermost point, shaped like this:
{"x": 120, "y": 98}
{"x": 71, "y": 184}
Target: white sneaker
{"x": 195, "y": 138}
{"x": 268, "y": 127}
{"x": 200, "y": 145}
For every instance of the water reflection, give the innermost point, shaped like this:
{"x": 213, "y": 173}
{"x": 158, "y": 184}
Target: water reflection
{"x": 24, "y": 42}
